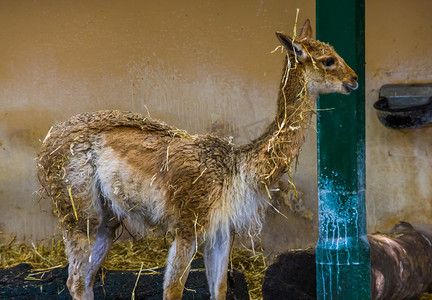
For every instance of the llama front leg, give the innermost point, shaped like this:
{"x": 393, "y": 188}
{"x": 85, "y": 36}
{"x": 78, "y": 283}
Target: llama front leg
{"x": 178, "y": 266}
{"x": 216, "y": 257}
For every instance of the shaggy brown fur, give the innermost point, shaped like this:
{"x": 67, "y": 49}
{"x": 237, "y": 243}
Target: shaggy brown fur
{"x": 108, "y": 167}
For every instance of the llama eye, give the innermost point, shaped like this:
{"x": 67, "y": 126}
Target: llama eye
{"x": 328, "y": 62}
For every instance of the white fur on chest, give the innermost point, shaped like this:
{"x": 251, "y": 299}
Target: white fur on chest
{"x": 241, "y": 208}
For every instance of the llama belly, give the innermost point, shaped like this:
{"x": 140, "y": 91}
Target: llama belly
{"x": 134, "y": 195}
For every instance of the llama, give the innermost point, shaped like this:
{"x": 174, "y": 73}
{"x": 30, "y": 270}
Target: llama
{"x": 105, "y": 168}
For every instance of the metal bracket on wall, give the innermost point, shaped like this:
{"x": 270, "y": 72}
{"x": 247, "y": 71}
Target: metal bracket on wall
{"x": 405, "y": 106}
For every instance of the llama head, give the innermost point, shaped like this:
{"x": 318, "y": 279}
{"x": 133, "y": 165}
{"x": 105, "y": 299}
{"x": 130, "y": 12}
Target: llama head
{"x": 325, "y": 71}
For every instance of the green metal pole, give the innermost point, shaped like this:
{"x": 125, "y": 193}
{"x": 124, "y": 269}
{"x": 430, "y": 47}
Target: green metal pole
{"x": 342, "y": 252}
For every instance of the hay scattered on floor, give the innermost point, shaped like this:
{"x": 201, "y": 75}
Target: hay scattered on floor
{"x": 149, "y": 253}
{"x": 253, "y": 265}
{"x": 128, "y": 255}
{"x": 42, "y": 256}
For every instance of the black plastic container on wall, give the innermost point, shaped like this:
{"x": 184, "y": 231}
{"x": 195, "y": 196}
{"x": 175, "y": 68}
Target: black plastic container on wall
{"x": 405, "y": 106}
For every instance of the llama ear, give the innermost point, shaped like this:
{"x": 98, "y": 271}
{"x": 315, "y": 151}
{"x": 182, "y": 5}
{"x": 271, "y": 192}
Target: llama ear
{"x": 292, "y": 47}
{"x": 306, "y": 31}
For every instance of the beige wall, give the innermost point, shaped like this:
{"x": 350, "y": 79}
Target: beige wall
{"x": 399, "y": 163}
{"x": 201, "y": 66}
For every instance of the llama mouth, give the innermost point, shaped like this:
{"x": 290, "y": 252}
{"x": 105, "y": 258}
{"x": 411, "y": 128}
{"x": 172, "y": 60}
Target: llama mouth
{"x": 350, "y": 87}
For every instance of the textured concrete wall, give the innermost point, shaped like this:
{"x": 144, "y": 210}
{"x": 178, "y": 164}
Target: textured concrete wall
{"x": 201, "y": 66}
{"x": 399, "y": 163}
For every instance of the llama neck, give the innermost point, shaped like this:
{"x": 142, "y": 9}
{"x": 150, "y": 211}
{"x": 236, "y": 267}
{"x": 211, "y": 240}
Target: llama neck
{"x": 270, "y": 155}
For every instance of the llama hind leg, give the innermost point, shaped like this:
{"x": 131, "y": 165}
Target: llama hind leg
{"x": 216, "y": 257}
{"x": 178, "y": 266}
{"x": 85, "y": 255}
{"x": 78, "y": 250}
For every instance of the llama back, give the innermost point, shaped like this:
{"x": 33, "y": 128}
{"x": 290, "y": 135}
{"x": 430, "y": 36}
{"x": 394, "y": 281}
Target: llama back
{"x": 95, "y": 122}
